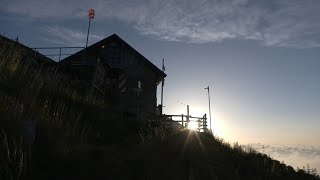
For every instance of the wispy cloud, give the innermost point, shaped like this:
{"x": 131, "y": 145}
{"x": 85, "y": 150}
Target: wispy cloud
{"x": 289, "y": 23}
{"x": 295, "y": 155}
{"x": 68, "y": 37}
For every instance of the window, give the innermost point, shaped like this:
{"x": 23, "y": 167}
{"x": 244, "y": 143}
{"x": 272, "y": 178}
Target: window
{"x": 113, "y": 54}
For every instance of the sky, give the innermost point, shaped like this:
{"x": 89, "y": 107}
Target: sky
{"x": 259, "y": 57}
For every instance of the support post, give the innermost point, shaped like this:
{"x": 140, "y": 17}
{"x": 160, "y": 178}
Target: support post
{"x": 88, "y": 32}
{"x": 86, "y": 51}
{"x": 188, "y": 114}
{"x": 205, "y": 122}
{"x": 208, "y": 88}
{"x": 182, "y": 121}
{"x": 162, "y": 84}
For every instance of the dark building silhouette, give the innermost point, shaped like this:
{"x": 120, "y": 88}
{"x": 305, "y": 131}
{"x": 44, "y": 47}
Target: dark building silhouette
{"x": 120, "y": 74}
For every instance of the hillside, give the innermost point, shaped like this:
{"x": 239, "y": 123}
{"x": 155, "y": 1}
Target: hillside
{"x": 74, "y": 136}
{"x": 181, "y": 155}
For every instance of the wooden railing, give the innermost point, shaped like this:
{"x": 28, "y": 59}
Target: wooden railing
{"x": 182, "y": 121}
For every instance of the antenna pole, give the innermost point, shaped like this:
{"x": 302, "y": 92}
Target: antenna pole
{"x": 162, "y": 84}
{"x": 208, "y": 88}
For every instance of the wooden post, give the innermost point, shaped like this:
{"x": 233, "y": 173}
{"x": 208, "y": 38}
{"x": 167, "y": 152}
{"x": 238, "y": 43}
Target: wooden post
{"x": 188, "y": 113}
{"x": 182, "y": 120}
{"x": 205, "y": 122}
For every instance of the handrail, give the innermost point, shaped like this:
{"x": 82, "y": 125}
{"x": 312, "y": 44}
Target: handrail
{"x": 165, "y": 115}
{"x": 57, "y": 48}
{"x": 57, "y": 54}
{"x": 66, "y": 47}
{"x": 185, "y": 120}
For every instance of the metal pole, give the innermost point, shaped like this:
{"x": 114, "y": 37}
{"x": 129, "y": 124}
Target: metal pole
{"x": 162, "y": 84}
{"x": 87, "y": 38}
{"x": 138, "y": 108}
{"x": 208, "y": 88}
{"x": 161, "y": 98}
{"x": 88, "y": 32}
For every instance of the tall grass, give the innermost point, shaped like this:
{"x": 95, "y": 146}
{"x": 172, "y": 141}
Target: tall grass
{"x": 11, "y": 157}
{"x": 67, "y": 118}
{"x": 153, "y": 133}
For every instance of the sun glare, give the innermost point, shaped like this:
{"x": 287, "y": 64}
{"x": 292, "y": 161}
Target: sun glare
{"x": 193, "y": 125}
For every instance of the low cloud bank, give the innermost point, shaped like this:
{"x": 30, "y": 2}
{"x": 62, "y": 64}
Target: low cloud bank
{"x": 295, "y": 155}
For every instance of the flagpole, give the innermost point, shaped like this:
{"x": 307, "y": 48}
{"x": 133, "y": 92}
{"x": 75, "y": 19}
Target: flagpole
{"x": 91, "y": 16}
{"x": 88, "y": 32}
{"x": 162, "y": 84}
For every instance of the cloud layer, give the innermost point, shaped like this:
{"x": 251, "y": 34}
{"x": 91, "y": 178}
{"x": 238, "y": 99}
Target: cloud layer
{"x": 296, "y": 156}
{"x": 65, "y": 36}
{"x": 289, "y": 23}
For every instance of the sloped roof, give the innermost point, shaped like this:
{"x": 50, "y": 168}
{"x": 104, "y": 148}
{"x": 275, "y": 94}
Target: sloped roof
{"x": 113, "y": 38}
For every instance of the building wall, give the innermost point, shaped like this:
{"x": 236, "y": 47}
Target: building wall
{"x": 122, "y": 59}
{"x": 141, "y": 102}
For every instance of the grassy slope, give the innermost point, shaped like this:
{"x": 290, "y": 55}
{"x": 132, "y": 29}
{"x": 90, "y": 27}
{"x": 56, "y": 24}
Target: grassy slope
{"x": 68, "y": 121}
{"x": 180, "y": 155}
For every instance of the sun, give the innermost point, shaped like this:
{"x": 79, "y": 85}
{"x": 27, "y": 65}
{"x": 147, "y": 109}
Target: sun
{"x": 193, "y": 125}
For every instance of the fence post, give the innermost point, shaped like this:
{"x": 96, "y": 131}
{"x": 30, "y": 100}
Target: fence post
{"x": 182, "y": 120}
{"x": 205, "y": 122}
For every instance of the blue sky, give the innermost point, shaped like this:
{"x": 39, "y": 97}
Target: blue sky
{"x": 259, "y": 57}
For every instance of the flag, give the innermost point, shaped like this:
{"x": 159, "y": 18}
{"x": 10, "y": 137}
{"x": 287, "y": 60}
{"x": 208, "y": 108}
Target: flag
{"x": 91, "y": 13}
{"x": 163, "y": 68}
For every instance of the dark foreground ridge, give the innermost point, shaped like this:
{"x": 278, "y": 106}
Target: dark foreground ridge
{"x": 51, "y": 129}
